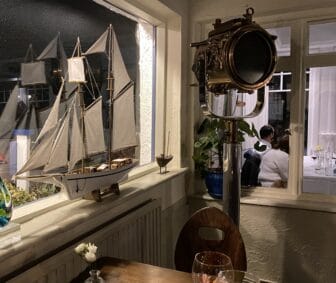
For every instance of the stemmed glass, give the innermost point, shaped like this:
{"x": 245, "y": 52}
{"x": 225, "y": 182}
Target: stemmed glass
{"x": 208, "y": 265}
{"x": 237, "y": 276}
{"x": 313, "y": 154}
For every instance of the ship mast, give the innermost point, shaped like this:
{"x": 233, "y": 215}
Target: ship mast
{"x": 78, "y": 52}
{"x": 110, "y": 88}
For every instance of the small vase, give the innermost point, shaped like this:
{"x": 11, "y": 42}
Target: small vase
{"x": 6, "y": 205}
{"x": 319, "y": 161}
{"x": 94, "y": 277}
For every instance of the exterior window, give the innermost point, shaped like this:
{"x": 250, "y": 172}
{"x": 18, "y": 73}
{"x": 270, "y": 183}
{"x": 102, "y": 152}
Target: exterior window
{"x": 276, "y": 113}
{"x": 301, "y": 97}
{"x": 136, "y": 41}
{"x": 319, "y": 174}
{"x": 322, "y": 38}
{"x": 282, "y": 41}
{"x": 319, "y": 167}
{"x": 317, "y": 84}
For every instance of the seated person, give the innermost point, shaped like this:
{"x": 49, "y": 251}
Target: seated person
{"x": 252, "y": 157}
{"x": 266, "y": 136}
{"x": 250, "y": 169}
{"x": 274, "y": 165}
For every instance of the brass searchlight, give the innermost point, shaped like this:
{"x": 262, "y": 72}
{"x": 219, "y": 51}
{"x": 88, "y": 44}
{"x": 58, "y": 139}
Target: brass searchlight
{"x": 238, "y": 57}
{"x": 239, "y": 54}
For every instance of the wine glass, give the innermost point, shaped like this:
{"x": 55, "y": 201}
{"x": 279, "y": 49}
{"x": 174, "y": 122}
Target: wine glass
{"x": 208, "y": 265}
{"x": 237, "y": 276}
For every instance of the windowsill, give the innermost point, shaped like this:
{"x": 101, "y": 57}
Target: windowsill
{"x": 277, "y": 202}
{"x": 28, "y": 211}
{"x": 290, "y": 203}
{"x": 45, "y": 233}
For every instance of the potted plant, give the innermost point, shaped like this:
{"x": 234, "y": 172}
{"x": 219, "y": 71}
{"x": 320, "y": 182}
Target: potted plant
{"x": 208, "y": 150}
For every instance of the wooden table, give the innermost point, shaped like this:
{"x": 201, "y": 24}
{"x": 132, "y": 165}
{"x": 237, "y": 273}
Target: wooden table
{"x": 123, "y": 271}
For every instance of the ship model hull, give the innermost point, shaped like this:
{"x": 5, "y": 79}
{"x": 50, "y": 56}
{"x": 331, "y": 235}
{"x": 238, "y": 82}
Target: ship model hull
{"x": 80, "y": 184}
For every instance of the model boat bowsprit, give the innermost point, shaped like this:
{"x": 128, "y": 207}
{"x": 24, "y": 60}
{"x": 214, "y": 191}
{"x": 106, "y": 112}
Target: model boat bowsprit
{"x": 67, "y": 141}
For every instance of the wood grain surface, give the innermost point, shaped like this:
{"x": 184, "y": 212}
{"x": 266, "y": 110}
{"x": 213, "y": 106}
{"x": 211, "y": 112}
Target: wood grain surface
{"x": 124, "y": 271}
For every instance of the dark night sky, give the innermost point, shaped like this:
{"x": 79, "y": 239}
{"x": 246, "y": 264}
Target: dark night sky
{"x": 38, "y": 21}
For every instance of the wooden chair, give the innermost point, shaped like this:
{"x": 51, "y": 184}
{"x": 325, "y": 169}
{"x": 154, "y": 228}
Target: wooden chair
{"x": 190, "y": 242}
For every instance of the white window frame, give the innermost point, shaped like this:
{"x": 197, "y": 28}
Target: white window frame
{"x": 298, "y": 61}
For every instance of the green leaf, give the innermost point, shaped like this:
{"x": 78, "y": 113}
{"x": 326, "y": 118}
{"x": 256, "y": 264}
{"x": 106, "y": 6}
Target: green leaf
{"x": 2, "y": 212}
{"x": 254, "y": 130}
{"x": 245, "y": 127}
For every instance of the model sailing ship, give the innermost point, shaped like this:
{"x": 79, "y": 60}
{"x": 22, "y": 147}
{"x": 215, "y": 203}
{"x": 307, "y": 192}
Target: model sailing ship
{"x": 67, "y": 141}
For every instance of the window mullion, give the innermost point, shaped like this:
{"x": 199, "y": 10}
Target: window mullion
{"x": 297, "y": 110}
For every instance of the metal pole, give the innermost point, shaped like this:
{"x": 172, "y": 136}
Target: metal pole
{"x": 231, "y": 173}
{"x": 110, "y": 88}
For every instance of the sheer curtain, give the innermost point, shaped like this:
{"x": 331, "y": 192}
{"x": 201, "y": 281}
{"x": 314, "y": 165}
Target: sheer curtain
{"x": 322, "y": 109}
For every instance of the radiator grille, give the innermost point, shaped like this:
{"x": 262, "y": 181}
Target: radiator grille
{"x": 136, "y": 236}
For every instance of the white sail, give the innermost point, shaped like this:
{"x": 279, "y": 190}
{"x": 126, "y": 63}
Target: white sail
{"x": 29, "y": 122}
{"x": 8, "y": 117}
{"x": 120, "y": 74}
{"x": 63, "y": 107}
{"x": 124, "y": 133}
{"x": 40, "y": 154}
{"x": 59, "y": 152}
{"x": 51, "y": 50}
{"x": 33, "y": 73}
{"x": 94, "y": 132}
{"x": 100, "y": 45}
{"x": 77, "y": 150}
{"x": 8, "y": 120}
{"x": 55, "y": 49}
{"x": 53, "y": 117}
{"x": 76, "y": 71}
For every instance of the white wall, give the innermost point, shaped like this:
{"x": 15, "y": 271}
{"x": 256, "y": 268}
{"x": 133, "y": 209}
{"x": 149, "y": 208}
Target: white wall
{"x": 290, "y": 245}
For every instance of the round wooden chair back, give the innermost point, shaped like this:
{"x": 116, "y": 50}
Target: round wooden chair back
{"x": 191, "y": 242}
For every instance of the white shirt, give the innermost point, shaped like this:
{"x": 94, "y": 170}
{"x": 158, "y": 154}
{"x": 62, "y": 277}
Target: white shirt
{"x": 273, "y": 167}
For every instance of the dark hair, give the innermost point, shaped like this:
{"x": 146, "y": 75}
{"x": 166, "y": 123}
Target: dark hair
{"x": 284, "y": 143}
{"x": 265, "y": 131}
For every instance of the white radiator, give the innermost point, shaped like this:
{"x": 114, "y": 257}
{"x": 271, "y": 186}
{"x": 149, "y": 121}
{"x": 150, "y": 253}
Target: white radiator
{"x": 135, "y": 236}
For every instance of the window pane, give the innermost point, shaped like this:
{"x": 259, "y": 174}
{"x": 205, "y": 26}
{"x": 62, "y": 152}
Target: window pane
{"x": 320, "y": 155}
{"x": 273, "y": 147}
{"x": 275, "y": 83}
{"x": 32, "y": 103}
{"x": 322, "y": 38}
{"x": 282, "y": 42}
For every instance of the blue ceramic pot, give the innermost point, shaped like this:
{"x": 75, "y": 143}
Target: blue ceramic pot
{"x": 214, "y": 184}
{"x": 5, "y": 204}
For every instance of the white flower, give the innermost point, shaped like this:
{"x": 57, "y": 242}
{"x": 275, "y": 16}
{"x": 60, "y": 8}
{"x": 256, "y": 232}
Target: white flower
{"x": 90, "y": 257}
{"x": 80, "y": 248}
{"x": 87, "y": 251}
{"x": 92, "y": 248}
